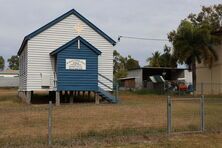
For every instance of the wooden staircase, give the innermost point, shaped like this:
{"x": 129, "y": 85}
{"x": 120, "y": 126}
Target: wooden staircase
{"x": 105, "y": 94}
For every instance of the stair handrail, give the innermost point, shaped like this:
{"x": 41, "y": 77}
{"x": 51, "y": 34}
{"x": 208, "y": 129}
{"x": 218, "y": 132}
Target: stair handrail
{"x": 116, "y": 87}
{"x": 104, "y": 84}
{"x": 105, "y": 77}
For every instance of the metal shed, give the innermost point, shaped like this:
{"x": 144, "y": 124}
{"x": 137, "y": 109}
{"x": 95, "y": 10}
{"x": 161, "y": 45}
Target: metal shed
{"x": 141, "y": 76}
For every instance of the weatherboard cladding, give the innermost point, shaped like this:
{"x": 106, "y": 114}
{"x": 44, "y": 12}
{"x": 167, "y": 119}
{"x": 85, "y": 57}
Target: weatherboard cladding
{"x": 68, "y": 79}
{"x": 23, "y": 69}
{"x": 41, "y": 45}
{"x": 71, "y": 12}
{"x": 74, "y": 41}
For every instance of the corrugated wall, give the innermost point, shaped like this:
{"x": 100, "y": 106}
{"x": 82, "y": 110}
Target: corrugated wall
{"x": 9, "y": 81}
{"x": 211, "y": 76}
{"x": 40, "y": 46}
{"x": 138, "y": 74}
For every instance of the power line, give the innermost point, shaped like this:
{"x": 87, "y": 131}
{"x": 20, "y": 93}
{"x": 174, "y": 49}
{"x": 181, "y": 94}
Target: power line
{"x": 141, "y": 38}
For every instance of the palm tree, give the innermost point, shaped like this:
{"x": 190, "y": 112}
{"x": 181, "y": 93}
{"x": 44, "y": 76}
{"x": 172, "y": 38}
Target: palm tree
{"x": 154, "y": 61}
{"x": 193, "y": 44}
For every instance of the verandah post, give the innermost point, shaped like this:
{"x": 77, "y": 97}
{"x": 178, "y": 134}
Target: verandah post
{"x": 58, "y": 98}
{"x": 96, "y": 98}
{"x": 50, "y": 123}
{"x": 71, "y": 97}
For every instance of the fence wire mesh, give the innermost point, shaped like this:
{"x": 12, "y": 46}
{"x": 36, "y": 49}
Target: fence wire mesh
{"x": 186, "y": 114}
{"x": 88, "y": 123}
{"x": 22, "y": 124}
{"x": 213, "y": 114}
{"x": 129, "y": 118}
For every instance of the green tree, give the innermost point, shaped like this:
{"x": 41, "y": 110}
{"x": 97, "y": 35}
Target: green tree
{"x": 194, "y": 39}
{"x": 210, "y": 15}
{"x": 120, "y": 74}
{"x": 165, "y": 59}
{"x": 2, "y": 63}
{"x": 13, "y": 62}
{"x": 122, "y": 64}
{"x": 119, "y": 63}
{"x": 131, "y": 63}
{"x": 155, "y": 60}
{"x": 193, "y": 43}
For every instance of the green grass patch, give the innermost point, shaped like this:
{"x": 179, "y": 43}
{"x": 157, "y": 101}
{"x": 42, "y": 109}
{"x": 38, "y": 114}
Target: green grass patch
{"x": 122, "y": 132}
{"x": 148, "y": 92}
{"x": 10, "y": 99}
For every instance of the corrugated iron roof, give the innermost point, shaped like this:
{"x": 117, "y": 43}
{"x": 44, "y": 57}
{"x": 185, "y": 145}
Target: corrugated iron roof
{"x": 9, "y": 71}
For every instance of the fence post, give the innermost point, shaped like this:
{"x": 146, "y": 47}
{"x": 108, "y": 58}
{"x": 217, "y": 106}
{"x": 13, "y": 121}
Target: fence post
{"x": 50, "y": 123}
{"x": 202, "y": 114}
{"x": 169, "y": 114}
{"x": 202, "y": 91}
{"x": 117, "y": 90}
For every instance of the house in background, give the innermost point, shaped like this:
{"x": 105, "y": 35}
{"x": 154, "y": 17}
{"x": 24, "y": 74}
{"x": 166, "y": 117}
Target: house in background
{"x": 140, "y": 78}
{"x": 9, "y": 78}
{"x": 211, "y": 77}
{"x": 67, "y": 55}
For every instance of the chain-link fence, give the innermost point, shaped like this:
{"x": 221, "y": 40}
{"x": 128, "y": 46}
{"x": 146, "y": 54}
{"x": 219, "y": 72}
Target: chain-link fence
{"x": 87, "y": 123}
{"x": 185, "y": 114}
{"x": 213, "y": 113}
{"x": 194, "y": 114}
{"x": 81, "y": 122}
{"x": 21, "y": 125}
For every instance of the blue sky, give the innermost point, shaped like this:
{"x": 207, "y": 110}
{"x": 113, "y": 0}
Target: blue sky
{"x": 140, "y": 18}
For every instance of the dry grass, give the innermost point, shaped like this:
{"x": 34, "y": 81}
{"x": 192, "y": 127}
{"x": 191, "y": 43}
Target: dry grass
{"x": 138, "y": 120}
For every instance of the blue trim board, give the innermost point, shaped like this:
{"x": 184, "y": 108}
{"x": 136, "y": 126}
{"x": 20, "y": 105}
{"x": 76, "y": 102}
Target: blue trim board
{"x": 72, "y": 42}
{"x": 74, "y": 12}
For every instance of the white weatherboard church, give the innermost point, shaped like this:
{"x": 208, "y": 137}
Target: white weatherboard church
{"x": 69, "y": 54}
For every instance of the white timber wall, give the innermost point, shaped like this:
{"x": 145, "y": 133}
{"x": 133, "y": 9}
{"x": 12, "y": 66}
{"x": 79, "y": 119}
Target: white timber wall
{"x": 23, "y": 70}
{"x": 39, "y": 47}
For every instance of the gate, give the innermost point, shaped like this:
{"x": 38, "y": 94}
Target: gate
{"x": 185, "y": 114}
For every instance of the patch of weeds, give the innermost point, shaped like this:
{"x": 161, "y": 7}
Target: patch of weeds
{"x": 122, "y": 132}
{"x": 24, "y": 141}
{"x": 13, "y": 99}
{"x": 193, "y": 127}
{"x": 148, "y": 91}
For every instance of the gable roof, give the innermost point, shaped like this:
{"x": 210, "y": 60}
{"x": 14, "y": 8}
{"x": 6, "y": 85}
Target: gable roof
{"x": 74, "y": 12}
{"x": 98, "y": 52}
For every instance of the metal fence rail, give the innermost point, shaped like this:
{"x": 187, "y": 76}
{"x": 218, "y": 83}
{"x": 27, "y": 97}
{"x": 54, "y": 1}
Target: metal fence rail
{"x": 108, "y": 120}
{"x": 213, "y": 114}
{"x": 73, "y": 123}
{"x": 185, "y": 114}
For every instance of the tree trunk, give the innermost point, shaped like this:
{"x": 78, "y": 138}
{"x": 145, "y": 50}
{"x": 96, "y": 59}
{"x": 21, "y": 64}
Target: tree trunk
{"x": 194, "y": 74}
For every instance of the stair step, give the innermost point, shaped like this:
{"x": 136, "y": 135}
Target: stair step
{"x": 107, "y": 96}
